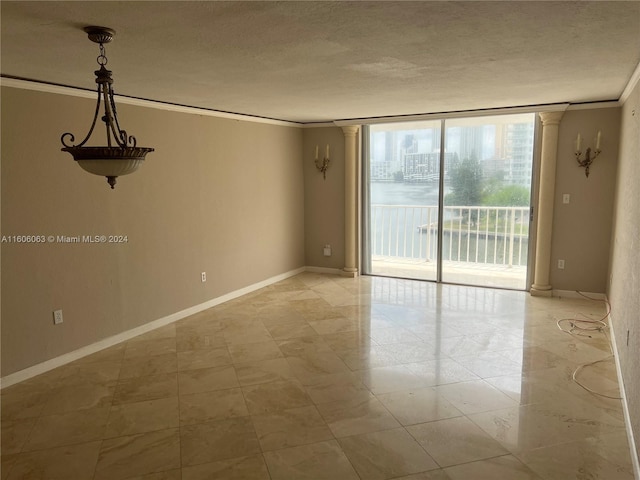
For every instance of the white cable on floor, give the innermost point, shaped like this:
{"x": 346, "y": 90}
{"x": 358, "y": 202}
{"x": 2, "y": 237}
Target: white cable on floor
{"x": 592, "y": 326}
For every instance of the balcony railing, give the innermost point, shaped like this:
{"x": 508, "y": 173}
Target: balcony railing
{"x": 480, "y": 235}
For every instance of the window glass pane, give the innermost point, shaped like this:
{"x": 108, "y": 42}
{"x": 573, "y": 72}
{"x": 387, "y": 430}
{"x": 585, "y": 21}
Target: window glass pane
{"x": 487, "y": 185}
{"x": 404, "y": 174}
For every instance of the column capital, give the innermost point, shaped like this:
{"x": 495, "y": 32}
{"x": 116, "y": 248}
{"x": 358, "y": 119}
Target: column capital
{"x": 550, "y": 118}
{"x": 350, "y": 130}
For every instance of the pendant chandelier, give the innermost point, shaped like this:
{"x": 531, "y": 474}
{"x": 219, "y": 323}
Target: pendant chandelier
{"x": 120, "y": 156}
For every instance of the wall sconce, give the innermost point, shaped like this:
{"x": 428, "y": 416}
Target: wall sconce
{"x": 588, "y": 158}
{"x": 110, "y": 161}
{"x": 324, "y": 164}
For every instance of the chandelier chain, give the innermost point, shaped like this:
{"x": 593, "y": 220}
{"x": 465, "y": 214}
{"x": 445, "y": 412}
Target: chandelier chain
{"x": 102, "y": 58}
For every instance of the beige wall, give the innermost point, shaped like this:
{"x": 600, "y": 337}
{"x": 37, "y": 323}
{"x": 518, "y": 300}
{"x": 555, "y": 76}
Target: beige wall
{"x": 582, "y": 228}
{"x": 624, "y": 292}
{"x": 324, "y": 199}
{"x": 218, "y": 195}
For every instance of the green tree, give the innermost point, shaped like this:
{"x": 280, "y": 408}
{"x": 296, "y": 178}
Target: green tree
{"x": 508, "y": 196}
{"x": 398, "y": 176}
{"x": 466, "y": 183}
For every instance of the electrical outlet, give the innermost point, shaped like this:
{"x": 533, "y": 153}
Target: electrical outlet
{"x": 561, "y": 264}
{"x": 204, "y": 276}
{"x": 327, "y": 250}
{"x": 566, "y": 198}
{"x": 57, "y": 317}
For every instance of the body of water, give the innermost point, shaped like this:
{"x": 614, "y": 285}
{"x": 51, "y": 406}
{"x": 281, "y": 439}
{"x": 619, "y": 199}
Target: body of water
{"x": 411, "y": 233}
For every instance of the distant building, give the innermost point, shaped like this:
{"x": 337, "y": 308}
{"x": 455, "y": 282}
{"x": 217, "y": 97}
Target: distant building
{"x": 505, "y": 151}
{"x": 424, "y": 167}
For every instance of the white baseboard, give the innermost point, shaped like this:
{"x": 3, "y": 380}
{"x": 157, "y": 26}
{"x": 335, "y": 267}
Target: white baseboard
{"x": 575, "y": 294}
{"x": 625, "y": 407}
{"x": 61, "y": 360}
{"x": 332, "y": 271}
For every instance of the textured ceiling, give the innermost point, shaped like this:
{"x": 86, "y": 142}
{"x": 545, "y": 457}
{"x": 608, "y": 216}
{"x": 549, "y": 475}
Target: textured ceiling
{"x": 321, "y": 61}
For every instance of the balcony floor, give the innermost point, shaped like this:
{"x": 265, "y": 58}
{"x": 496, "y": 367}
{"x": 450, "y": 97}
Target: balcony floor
{"x": 465, "y": 273}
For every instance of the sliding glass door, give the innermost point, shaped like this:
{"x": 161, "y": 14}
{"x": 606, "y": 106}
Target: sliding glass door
{"x": 458, "y": 214}
{"x": 404, "y": 186}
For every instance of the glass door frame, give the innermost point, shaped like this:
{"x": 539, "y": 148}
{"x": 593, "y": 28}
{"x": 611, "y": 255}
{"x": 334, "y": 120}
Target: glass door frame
{"x": 365, "y": 241}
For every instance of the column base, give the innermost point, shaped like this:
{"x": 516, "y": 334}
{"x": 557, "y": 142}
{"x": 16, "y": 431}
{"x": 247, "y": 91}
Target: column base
{"x": 541, "y": 291}
{"x": 349, "y": 272}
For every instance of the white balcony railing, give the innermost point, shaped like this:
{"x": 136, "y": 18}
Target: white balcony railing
{"x": 480, "y": 235}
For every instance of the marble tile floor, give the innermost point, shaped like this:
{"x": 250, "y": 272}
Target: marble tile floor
{"x": 324, "y": 377}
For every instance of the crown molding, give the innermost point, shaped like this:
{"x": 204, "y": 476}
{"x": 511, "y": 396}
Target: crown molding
{"x": 631, "y": 84}
{"x": 140, "y": 102}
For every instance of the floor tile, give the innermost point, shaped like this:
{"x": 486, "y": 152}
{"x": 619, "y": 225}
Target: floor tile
{"x": 215, "y": 405}
{"x": 390, "y": 379}
{"x": 430, "y": 475}
{"x": 141, "y": 454}
{"x": 265, "y": 371}
{"x": 348, "y": 340}
{"x": 288, "y": 428}
{"x": 318, "y": 461}
{"x": 191, "y": 338}
{"x": 275, "y": 396}
{"x": 318, "y": 376}
{"x": 253, "y": 334}
{"x": 492, "y": 469}
{"x": 384, "y": 336}
{"x": 354, "y": 417}
{"x": 573, "y": 460}
{"x": 334, "y": 325}
{"x": 254, "y": 352}
{"x": 287, "y": 331}
{"x": 302, "y": 346}
{"x": 141, "y": 417}
{"x": 410, "y": 352}
{"x": 386, "y": 454}
{"x": 613, "y": 447}
{"x": 489, "y": 364}
{"x": 455, "y": 440}
{"x": 72, "y": 461}
{"x": 475, "y": 396}
{"x": 365, "y": 357}
{"x": 534, "y": 426}
{"x": 203, "y": 358}
{"x": 14, "y": 434}
{"x": 147, "y": 348}
{"x": 6, "y": 463}
{"x": 70, "y": 428}
{"x": 207, "y": 379}
{"x": 221, "y": 440}
{"x": 166, "y": 475}
{"x": 243, "y": 468}
{"x": 93, "y": 373}
{"x": 23, "y": 405}
{"x": 146, "y": 388}
{"x": 314, "y": 364}
{"x": 69, "y": 399}
{"x": 418, "y": 406}
{"x": 441, "y": 371}
{"x": 336, "y": 387}
{"x": 141, "y": 366}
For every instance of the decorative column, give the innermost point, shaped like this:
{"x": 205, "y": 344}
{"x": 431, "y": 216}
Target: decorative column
{"x": 550, "y": 125}
{"x": 350, "y": 201}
